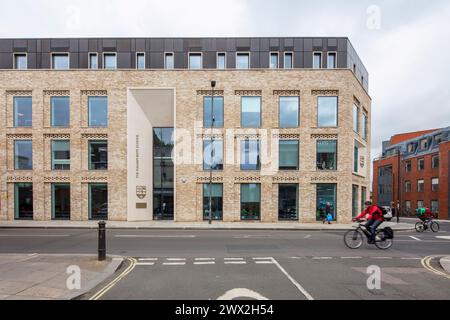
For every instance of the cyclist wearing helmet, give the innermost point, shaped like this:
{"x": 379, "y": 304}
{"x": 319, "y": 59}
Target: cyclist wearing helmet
{"x": 374, "y": 219}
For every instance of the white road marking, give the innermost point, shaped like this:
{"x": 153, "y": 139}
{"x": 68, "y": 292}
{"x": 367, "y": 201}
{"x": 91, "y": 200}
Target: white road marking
{"x": 176, "y": 259}
{"x": 411, "y": 258}
{"x": 34, "y": 235}
{"x": 351, "y": 257}
{"x": 262, "y": 258}
{"x": 204, "y": 262}
{"x": 264, "y": 262}
{"x": 443, "y": 237}
{"x": 152, "y": 236}
{"x": 148, "y": 259}
{"x": 381, "y": 258}
{"x": 174, "y": 263}
{"x": 241, "y": 293}
{"x": 415, "y": 238}
{"x": 235, "y": 262}
{"x": 307, "y": 236}
{"x": 232, "y": 259}
{"x": 322, "y": 258}
{"x": 298, "y": 258}
{"x": 294, "y": 282}
{"x": 145, "y": 263}
{"x": 204, "y": 259}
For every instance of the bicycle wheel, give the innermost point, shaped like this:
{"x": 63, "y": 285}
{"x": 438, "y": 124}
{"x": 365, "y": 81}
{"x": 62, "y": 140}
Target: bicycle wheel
{"x": 381, "y": 240}
{"x": 434, "y": 226}
{"x": 353, "y": 239}
{"x": 419, "y": 226}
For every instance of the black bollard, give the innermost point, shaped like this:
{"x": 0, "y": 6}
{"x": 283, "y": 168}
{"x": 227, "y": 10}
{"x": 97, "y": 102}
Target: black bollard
{"x": 101, "y": 241}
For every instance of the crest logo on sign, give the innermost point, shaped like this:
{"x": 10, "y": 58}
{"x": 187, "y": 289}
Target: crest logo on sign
{"x": 141, "y": 191}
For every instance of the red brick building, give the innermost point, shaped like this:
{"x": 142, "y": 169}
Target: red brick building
{"x": 413, "y": 172}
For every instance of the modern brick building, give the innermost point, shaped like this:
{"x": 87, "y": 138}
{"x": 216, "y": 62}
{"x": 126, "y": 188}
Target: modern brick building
{"x": 122, "y": 129}
{"x": 418, "y": 177}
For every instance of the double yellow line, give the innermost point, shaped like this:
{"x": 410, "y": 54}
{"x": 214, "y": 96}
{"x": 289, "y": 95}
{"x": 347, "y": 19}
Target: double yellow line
{"x": 426, "y": 263}
{"x": 108, "y": 287}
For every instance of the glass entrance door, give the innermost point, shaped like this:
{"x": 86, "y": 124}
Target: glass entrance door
{"x": 163, "y": 207}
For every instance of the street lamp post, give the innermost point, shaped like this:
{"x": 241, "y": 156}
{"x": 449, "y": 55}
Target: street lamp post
{"x": 213, "y": 84}
{"x": 399, "y": 188}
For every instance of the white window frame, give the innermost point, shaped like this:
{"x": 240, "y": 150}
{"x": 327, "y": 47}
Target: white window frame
{"x": 217, "y": 59}
{"x": 139, "y": 53}
{"x": 173, "y": 57}
{"x": 278, "y": 59}
{"x": 321, "y": 59}
{"x": 284, "y": 59}
{"x": 89, "y": 60}
{"x": 103, "y": 59}
{"x": 14, "y": 59}
{"x": 189, "y": 59}
{"x": 335, "y": 59}
{"x": 249, "y": 59}
{"x": 59, "y": 53}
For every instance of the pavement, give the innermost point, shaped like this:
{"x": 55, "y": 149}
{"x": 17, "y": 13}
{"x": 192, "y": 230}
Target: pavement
{"x": 445, "y": 263}
{"x": 216, "y": 225}
{"x": 47, "y": 276}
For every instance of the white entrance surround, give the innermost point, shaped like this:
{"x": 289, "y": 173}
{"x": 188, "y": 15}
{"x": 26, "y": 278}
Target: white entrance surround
{"x": 146, "y": 108}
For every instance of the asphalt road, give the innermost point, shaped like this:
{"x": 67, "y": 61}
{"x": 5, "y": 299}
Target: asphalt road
{"x": 201, "y": 264}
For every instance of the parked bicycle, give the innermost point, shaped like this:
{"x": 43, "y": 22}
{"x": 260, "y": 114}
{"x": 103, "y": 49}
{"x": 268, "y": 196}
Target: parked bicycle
{"x": 384, "y": 238}
{"x": 421, "y": 226}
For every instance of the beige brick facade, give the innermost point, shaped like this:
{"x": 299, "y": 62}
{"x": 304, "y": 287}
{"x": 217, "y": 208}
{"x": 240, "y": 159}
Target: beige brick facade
{"x": 190, "y": 87}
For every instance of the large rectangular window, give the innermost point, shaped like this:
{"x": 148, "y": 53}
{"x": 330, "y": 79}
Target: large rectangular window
{"x": 221, "y": 60}
{"x": 98, "y": 201}
{"x": 355, "y": 158}
{"x": 168, "y": 60}
{"x": 23, "y": 201}
{"x": 217, "y": 112}
{"x": 93, "y": 60}
{"x": 326, "y": 154}
{"x": 363, "y": 198}
{"x": 288, "y": 202}
{"x": 98, "y": 155}
{"x": 273, "y": 63}
{"x": 250, "y": 201}
{"x": 407, "y": 186}
{"x": 163, "y": 174}
{"x": 60, "y": 155}
{"x": 420, "y": 204}
{"x": 110, "y": 61}
{"x": 434, "y": 206}
{"x": 408, "y": 166}
{"x": 354, "y": 200}
{"x": 435, "y": 162}
{"x": 213, "y": 157}
{"x": 250, "y": 112}
{"x": 288, "y": 60}
{"x": 435, "y": 184}
{"x": 332, "y": 60}
{"x": 195, "y": 61}
{"x": 420, "y": 185}
{"x": 60, "y": 61}
{"x": 421, "y": 164}
{"x": 364, "y": 123}
{"x": 22, "y": 111}
{"x": 242, "y": 60}
{"x": 325, "y": 201}
{"x": 60, "y": 111}
{"x": 250, "y": 157}
{"x": 327, "y": 111}
{"x": 408, "y": 206}
{"x": 61, "y": 201}
{"x": 140, "y": 60}
{"x": 289, "y": 112}
{"x": 288, "y": 155}
{"x": 23, "y": 155}
{"x": 20, "y": 61}
{"x": 98, "y": 111}
{"x": 317, "y": 60}
{"x": 216, "y": 192}
{"x": 355, "y": 118}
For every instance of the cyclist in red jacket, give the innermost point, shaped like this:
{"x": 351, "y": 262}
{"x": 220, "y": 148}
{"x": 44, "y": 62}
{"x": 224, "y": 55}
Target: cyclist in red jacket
{"x": 374, "y": 219}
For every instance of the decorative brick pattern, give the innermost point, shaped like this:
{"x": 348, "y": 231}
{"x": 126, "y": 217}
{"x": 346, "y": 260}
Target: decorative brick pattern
{"x": 209, "y": 92}
{"x": 326, "y": 92}
{"x": 248, "y": 92}
{"x": 286, "y": 92}
{"x": 325, "y": 136}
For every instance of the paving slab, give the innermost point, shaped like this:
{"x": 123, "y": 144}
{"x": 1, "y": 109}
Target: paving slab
{"x": 445, "y": 263}
{"x": 45, "y": 276}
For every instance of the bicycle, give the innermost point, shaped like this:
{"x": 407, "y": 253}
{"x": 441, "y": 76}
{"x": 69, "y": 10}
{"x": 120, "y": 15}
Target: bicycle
{"x": 421, "y": 226}
{"x": 384, "y": 238}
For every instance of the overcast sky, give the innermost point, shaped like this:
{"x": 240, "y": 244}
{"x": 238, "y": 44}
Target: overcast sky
{"x": 403, "y": 43}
